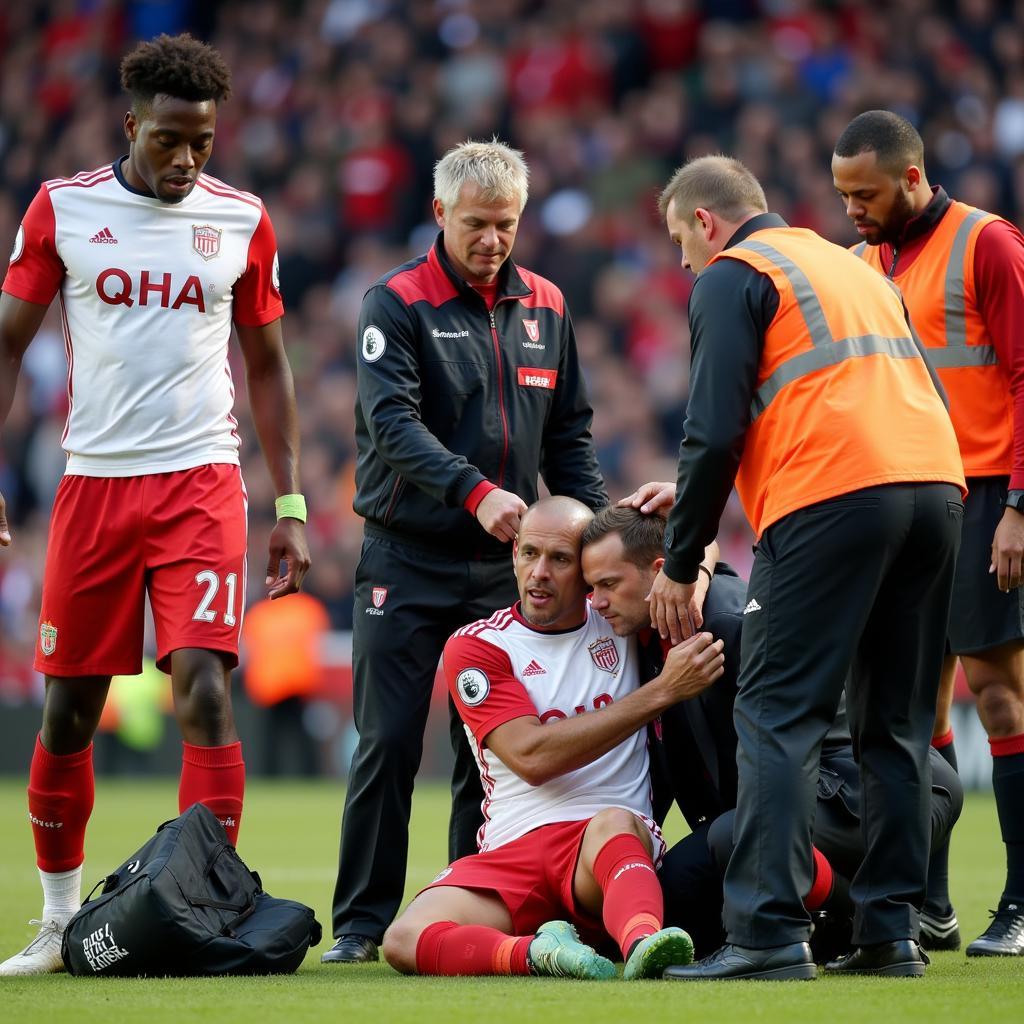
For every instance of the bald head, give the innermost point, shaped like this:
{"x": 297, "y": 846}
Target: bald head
{"x": 558, "y": 509}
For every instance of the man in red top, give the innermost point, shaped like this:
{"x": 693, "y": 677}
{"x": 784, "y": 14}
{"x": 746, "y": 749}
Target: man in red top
{"x": 961, "y": 272}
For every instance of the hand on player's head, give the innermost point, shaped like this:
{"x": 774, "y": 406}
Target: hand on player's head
{"x": 655, "y": 496}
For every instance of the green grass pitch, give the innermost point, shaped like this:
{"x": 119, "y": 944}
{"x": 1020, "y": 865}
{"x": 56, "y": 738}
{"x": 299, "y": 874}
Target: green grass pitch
{"x": 290, "y": 836}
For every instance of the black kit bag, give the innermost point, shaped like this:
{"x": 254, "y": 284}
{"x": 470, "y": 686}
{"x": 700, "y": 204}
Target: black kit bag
{"x": 185, "y": 904}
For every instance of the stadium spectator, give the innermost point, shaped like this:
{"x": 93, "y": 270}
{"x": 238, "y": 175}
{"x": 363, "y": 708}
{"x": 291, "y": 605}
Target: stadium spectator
{"x": 154, "y": 261}
{"x": 555, "y": 713}
{"x": 441, "y": 70}
{"x": 810, "y": 392}
{"x": 469, "y": 386}
{"x": 961, "y": 272}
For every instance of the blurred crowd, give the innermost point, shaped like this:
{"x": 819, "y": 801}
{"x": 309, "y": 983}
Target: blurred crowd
{"x": 341, "y": 108}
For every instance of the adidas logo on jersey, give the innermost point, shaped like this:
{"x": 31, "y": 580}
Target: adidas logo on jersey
{"x": 533, "y": 669}
{"x": 752, "y": 606}
{"x": 104, "y": 236}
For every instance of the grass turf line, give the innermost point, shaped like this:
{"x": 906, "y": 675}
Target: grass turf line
{"x": 289, "y": 834}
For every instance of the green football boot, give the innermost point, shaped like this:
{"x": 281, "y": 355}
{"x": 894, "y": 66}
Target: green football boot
{"x": 556, "y": 952}
{"x": 651, "y": 955}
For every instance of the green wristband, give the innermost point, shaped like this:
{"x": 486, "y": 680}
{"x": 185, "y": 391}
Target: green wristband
{"x": 291, "y": 506}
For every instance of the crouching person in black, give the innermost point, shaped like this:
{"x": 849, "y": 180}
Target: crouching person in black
{"x": 693, "y": 744}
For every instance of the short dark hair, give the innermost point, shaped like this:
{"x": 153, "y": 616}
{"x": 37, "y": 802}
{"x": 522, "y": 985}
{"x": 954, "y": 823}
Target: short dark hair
{"x": 893, "y": 139}
{"x": 718, "y": 183}
{"x": 179, "y": 66}
{"x": 642, "y": 536}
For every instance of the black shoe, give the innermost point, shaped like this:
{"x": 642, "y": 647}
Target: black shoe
{"x": 900, "y": 959}
{"x": 351, "y": 949}
{"x": 1004, "y": 936}
{"x": 781, "y": 963}
{"x": 940, "y": 931}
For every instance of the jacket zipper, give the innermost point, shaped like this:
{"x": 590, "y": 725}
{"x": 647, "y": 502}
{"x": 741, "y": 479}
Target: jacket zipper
{"x": 501, "y": 399}
{"x": 892, "y": 268}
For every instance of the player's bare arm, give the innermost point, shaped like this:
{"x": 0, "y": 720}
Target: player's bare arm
{"x": 1008, "y": 550}
{"x": 272, "y": 400}
{"x": 705, "y": 572}
{"x": 19, "y": 321}
{"x": 538, "y": 752}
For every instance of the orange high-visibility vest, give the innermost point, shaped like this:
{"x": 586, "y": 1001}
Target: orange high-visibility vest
{"x": 844, "y": 399}
{"x": 938, "y": 287}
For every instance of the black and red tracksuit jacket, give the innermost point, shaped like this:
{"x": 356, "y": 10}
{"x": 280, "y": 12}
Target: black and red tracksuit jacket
{"x": 452, "y": 395}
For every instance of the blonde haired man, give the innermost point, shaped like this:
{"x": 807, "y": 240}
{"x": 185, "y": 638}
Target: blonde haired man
{"x": 457, "y": 349}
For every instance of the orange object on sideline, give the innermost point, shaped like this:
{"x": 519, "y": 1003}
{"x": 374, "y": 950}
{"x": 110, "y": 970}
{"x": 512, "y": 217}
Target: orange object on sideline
{"x": 282, "y": 648}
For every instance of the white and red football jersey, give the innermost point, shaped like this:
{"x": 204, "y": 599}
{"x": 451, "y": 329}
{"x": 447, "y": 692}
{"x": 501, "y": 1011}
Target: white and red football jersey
{"x": 502, "y": 668}
{"x": 148, "y": 292}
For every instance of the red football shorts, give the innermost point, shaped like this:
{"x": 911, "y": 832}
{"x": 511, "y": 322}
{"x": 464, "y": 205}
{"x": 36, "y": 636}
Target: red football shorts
{"x": 533, "y": 877}
{"x": 180, "y": 536}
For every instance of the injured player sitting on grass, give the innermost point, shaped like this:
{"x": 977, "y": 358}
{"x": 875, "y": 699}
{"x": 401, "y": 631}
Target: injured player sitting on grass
{"x": 551, "y": 701}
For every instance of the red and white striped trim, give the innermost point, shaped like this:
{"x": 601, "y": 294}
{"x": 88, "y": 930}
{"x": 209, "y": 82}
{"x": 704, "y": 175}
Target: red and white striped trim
{"x": 87, "y": 179}
{"x": 70, "y": 353}
{"x": 231, "y": 415}
{"x": 499, "y": 621}
{"x": 488, "y": 783}
{"x": 217, "y": 188}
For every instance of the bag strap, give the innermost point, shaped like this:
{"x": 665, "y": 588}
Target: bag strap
{"x": 205, "y": 901}
{"x": 109, "y": 884}
{"x": 215, "y": 854}
{"x": 229, "y": 927}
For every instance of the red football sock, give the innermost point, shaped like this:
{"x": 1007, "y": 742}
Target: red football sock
{"x": 633, "y": 904}
{"x": 214, "y": 776}
{"x": 61, "y": 791}
{"x": 450, "y": 949}
{"x": 821, "y": 887}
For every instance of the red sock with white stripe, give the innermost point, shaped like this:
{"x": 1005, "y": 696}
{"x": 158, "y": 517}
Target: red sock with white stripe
{"x": 633, "y": 904}
{"x": 61, "y": 793}
{"x": 453, "y": 950}
{"x": 215, "y": 777}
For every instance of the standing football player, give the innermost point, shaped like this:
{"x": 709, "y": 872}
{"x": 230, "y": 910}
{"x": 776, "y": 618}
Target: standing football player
{"x": 154, "y": 261}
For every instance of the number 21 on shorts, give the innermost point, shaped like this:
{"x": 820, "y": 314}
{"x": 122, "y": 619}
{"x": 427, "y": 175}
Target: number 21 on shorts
{"x": 209, "y": 579}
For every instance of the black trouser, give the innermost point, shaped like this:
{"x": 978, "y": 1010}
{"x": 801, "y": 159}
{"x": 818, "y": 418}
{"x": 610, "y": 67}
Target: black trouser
{"x": 859, "y": 582}
{"x": 691, "y": 873}
{"x": 395, "y": 651}
{"x": 692, "y": 885}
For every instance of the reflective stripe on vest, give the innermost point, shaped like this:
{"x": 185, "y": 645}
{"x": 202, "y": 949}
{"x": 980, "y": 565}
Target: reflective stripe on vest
{"x": 956, "y": 351}
{"x": 825, "y": 352}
